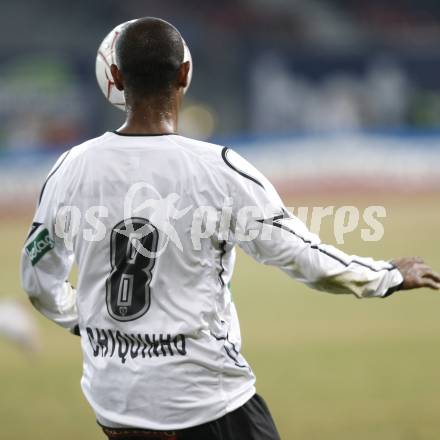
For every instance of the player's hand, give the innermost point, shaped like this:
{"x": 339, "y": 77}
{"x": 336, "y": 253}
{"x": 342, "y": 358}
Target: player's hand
{"x": 417, "y": 274}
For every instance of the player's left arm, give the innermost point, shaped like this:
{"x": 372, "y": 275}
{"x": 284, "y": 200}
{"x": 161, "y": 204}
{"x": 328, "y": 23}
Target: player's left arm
{"x": 46, "y": 262}
{"x": 272, "y": 235}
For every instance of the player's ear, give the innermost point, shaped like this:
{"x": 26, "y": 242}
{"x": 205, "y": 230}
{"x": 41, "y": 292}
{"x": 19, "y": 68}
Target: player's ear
{"x": 117, "y": 77}
{"x": 182, "y": 75}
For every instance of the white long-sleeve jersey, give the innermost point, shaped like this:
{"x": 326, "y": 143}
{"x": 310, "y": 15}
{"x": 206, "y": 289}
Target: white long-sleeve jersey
{"x": 152, "y": 222}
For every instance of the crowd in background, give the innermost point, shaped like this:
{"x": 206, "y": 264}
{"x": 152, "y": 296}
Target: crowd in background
{"x": 261, "y": 67}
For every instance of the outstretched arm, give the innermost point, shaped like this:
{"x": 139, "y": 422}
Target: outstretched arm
{"x": 264, "y": 229}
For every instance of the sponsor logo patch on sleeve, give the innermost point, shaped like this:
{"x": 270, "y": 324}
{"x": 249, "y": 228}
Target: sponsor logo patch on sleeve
{"x": 39, "y": 246}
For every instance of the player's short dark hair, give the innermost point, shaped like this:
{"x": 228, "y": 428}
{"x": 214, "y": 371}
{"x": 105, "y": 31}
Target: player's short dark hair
{"x": 149, "y": 53}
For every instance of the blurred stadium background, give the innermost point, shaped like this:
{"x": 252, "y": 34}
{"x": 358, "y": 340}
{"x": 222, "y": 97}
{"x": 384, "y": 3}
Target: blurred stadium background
{"x": 338, "y": 102}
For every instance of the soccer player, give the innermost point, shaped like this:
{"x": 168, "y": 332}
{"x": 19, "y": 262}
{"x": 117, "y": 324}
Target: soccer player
{"x": 152, "y": 219}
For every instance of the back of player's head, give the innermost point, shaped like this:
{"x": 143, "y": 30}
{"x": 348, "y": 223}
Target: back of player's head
{"x": 149, "y": 53}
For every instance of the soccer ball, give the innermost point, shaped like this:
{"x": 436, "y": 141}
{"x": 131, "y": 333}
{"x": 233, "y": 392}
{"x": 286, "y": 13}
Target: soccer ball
{"x": 106, "y": 57}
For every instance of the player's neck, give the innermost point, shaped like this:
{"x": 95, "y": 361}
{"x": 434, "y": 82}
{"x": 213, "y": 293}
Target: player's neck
{"x": 134, "y": 125}
{"x": 151, "y": 118}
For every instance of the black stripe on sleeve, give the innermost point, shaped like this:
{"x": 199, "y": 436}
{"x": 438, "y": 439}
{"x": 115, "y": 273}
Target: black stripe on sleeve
{"x": 242, "y": 173}
{"x": 274, "y": 222}
{"x": 51, "y": 174}
{"x": 394, "y": 289}
{"x": 34, "y": 227}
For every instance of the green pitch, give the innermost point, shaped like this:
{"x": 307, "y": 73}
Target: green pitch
{"x": 330, "y": 367}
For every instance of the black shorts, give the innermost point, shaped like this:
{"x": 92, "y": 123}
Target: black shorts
{"x": 252, "y": 421}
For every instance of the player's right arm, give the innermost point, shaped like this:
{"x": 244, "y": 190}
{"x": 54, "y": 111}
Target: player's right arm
{"x": 264, "y": 229}
{"x": 46, "y": 262}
